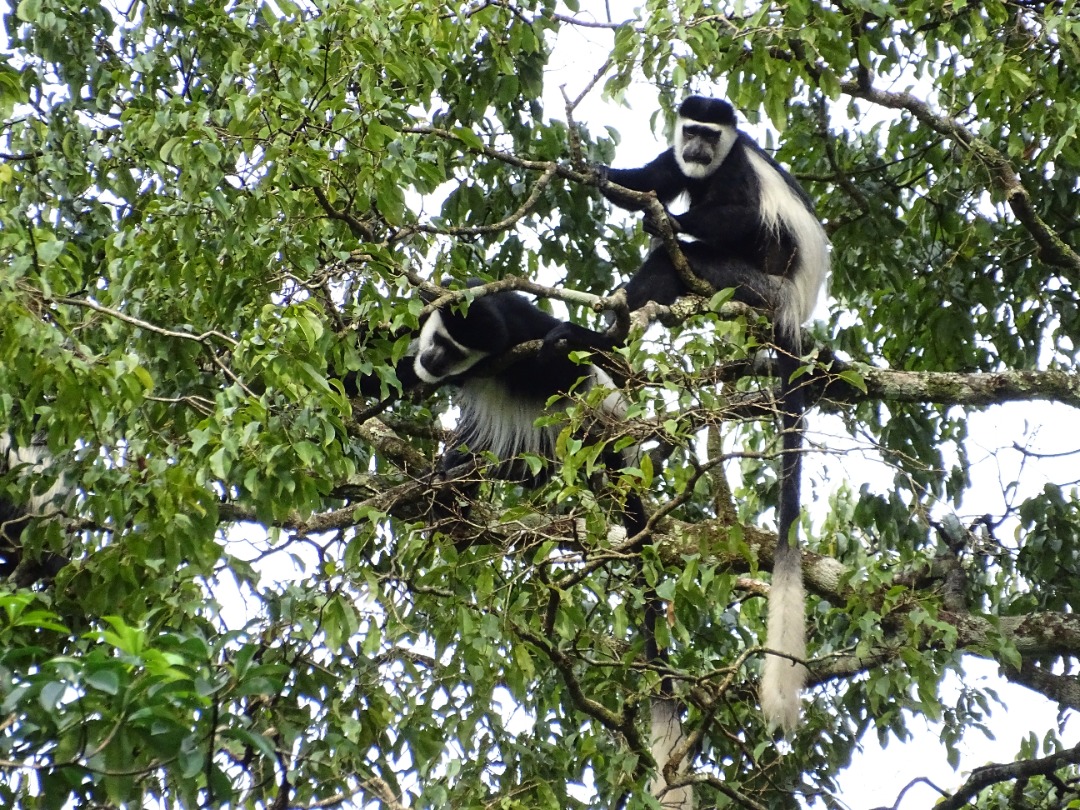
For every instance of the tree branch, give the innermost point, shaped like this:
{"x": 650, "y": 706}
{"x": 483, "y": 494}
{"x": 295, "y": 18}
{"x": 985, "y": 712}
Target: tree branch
{"x": 952, "y": 388}
{"x": 149, "y": 327}
{"x": 1065, "y": 689}
{"x": 502, "y": 225}
{"x": 619, "y": 724}
{"x": 1053, "y": 249}
{"x": 361, "y": 230}
{"x": 982, "y": 778}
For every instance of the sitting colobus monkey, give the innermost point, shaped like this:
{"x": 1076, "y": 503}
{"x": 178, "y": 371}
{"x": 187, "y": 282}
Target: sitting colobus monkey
{"x": 29, "y": 463}
{"x": 750, "y": 227}
{"x": 498, "y": 415}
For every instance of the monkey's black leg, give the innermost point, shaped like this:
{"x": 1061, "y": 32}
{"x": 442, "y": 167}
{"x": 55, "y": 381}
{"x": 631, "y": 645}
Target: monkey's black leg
{"x": 658, "y": 280}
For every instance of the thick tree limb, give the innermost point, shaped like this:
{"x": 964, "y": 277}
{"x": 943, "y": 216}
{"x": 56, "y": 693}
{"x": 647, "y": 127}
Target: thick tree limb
{"x": 1065, "y": 689}
{"x": 381, "y": 790}
{"x": 953, "y": 388}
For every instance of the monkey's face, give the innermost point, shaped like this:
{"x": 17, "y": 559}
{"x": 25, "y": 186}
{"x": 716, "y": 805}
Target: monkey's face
{"x": 438, "y": 355}
{"x": 700, "y": 147}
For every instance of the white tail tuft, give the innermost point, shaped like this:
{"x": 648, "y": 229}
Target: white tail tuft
{"x": 665, "y": 734}
{"x": 783, "y": 679}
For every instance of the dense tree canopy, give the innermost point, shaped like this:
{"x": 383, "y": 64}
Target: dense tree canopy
{"x": 215, "y": 217}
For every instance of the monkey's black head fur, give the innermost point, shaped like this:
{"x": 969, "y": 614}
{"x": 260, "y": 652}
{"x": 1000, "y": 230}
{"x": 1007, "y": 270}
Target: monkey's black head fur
{"x": 707, "y": 110}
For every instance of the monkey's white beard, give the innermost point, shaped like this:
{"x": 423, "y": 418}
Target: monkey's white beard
{"x": 699, "y": 171}
{"x": 496, "y": 420}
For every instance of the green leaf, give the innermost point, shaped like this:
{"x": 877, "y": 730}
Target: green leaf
{"x": 104, "y": 680}
{"x": 28, "y": 10}
{"x": 853, "y": 378}
{"x": 469, "y": 138}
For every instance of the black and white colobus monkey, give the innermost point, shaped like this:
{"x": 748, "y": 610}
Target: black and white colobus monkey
{"x": 751, "y": 227}
{"x": 499, "y": 412}
{"x": 498, "y": 416}
{"x": 29, "y": 462}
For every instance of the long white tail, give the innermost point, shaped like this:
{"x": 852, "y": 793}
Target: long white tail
{"x": 783, "y": 679}
{"x": 665, "y": 733}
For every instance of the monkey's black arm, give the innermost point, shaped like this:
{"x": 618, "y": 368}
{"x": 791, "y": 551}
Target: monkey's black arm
{"x": 662, "y": 176}
{"x": 577, "y": 337}
{"x": 722, "y": 225}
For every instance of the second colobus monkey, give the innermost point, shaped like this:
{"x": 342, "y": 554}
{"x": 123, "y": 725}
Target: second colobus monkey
{"x": 29, "y": 462}
{"x": 498, "y": 416}
{"x": 499, "y": 412}
{"x": 750, "y": 227}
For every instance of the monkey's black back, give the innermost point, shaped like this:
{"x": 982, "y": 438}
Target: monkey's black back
{"x": 496, "y": 323}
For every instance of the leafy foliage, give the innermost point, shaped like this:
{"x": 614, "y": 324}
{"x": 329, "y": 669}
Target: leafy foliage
{"x": 214, "y": 217}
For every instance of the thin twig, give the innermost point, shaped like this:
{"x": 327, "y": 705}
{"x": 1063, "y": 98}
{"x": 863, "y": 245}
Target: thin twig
{"x": 129, "y": 319}
{"x": 495, "y": 227}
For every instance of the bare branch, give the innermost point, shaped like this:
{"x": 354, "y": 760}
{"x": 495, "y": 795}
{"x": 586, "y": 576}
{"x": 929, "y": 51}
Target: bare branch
{"x": 656, "y": 213}
{"x": 984, "y": 777}
{"x": 129, "y": 319}
{"x": 447, "y": 297}
{"x": 495, "y": 227}
{"x": 920, "y": 780}
{"x": 576, "y": 156}
{"x": 381, "y": 790}
{"x": 565, "y": 172}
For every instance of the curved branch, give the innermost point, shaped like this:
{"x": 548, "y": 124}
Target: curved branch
{"x": 984, "y": 777}
{"x": 656, "y": 213}
{"x": 502, "y": 225}
{"x": 622, "y": 724}
{"x": 360, "y": 229}
{"x": 446, "y": 297}
{"x": 646, "y": 200}
{"x": 1053, "y": 249}
{"x": 141, "y": 324}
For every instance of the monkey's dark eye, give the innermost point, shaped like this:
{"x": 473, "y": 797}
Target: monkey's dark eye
{"x": 706, "y": 134}
{"x": 449, "y": 349}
